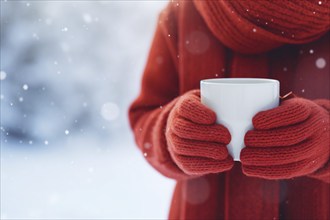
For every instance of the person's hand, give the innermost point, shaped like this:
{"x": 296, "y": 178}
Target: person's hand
{"x": 196, "y": 144}
{"x": 288, "y": 141}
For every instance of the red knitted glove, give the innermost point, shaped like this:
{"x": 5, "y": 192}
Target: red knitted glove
{"x": 196, "y": 144}
{"x": 288, "y": 141}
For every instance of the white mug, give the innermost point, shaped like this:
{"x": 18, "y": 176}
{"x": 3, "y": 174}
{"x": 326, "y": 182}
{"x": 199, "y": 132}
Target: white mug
{"x": 235, "y": 101}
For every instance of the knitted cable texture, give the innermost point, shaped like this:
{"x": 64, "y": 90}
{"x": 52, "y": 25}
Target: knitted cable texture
{"x": 288, "y": 141}
{"x": 195, "y": 142}
{"x": 264, "y": 25}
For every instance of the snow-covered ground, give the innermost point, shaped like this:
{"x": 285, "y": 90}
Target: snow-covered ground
{"x": 81, "y": 183}
{"x": 69, "y": 70}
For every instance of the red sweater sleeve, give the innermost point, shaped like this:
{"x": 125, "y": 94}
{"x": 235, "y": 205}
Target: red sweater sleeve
{"x": 323, "y": 174}
{"x": 149, "y": 112}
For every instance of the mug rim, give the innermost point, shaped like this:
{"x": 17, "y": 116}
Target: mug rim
{"x": 236, "y": 81}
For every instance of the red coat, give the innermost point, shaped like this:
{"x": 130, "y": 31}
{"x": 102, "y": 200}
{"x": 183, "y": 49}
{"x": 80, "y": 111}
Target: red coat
{"x": 185, "y": 51}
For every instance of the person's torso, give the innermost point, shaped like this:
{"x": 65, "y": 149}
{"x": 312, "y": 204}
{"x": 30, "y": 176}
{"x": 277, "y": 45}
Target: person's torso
{"x": 302, "y": 69}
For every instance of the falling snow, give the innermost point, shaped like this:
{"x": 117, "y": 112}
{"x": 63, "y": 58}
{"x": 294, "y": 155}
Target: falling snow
{"x": 110, "y": 111}
{"x": 25, "y": 87}
{"x": 311, "y": 51}
{"x": 320, "y": 63}
{"x": 66, "y": 132}
{"x": 147, "y": 145}
{"x": 3, "y": 75}
{"x": 48, "y": 21}
{"x": 204, "y": 192}
{"x": 87, "y": 18}
{"x": 35, "y": 36}
{"x": 199, "y": 42}
{"x": 254, "y": 30}
{"x": 159, "y": 59}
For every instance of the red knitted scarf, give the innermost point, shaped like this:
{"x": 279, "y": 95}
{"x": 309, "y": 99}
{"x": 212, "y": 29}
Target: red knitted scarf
{"x": 258, "y": 26}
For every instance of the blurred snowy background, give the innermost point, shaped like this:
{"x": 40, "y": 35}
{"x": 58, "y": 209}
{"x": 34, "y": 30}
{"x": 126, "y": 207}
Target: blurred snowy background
{"x": 69, "y": 70}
